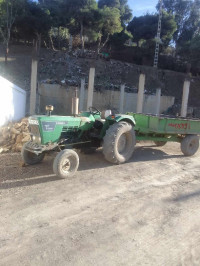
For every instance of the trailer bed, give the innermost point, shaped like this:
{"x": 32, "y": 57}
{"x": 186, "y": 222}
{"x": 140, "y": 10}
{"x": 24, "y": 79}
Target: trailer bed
{"x": 165, "y": 125}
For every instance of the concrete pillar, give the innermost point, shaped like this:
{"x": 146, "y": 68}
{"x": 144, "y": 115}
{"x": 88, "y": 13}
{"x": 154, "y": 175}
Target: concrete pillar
{"x": 82, "y": 95}
{"x": 140, "y": 99}
{"x": 33, "y": 86}
{"x": 186, "y": 91}
{"x": 158, "y": 97}
{"x": 34, "y": 68}
{"x": 90, "y": 87}
{"x": 121, "y": 104}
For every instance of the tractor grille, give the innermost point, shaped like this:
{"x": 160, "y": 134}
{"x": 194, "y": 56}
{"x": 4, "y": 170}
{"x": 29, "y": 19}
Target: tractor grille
{"x": 34, "y": 130}
{"x": 70, "y": 129}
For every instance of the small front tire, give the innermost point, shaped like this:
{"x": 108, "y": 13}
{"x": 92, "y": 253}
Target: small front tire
{"x": 66, "y": 163}
{"x": 30, "y": 157}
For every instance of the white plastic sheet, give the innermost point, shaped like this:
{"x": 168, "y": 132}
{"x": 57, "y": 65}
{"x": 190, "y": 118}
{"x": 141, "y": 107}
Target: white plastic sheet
{"x": 12, "y": 102}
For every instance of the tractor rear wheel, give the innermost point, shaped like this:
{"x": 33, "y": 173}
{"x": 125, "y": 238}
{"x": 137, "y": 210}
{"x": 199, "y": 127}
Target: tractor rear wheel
{"x": 66, "y": 163}
{"x": 190, "y": 145}
{"x": 119, "y": 143}
{"x": 30, "y": 157}
{"x": 160, "y": 143}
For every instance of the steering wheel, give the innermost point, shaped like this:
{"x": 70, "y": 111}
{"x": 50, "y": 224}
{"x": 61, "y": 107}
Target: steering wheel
{"x": 94, "y": 111}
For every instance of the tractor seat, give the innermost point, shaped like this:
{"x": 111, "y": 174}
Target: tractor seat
{"x": 105, "y": 114}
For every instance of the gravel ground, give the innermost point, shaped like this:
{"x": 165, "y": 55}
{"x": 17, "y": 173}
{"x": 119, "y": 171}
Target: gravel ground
{"x": 145, "y": 212}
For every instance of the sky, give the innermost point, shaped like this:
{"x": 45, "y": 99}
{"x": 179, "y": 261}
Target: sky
{"x": 141, "y": 7}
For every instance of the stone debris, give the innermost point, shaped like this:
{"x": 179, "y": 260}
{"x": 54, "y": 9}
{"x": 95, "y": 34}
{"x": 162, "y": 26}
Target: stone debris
{"x": 68, "y": 69}
{"x": 13, "y": 136}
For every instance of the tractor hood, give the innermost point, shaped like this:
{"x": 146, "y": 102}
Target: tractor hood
{"x": 48, "y": 123}
{"x": 49, "y": 128}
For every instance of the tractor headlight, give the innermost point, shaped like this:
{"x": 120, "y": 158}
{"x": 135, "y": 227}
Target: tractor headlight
{"x": 36, "y": 139}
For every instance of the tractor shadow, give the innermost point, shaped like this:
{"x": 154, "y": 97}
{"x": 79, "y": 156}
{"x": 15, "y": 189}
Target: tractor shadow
{"x": 152, "y": 153}
{"x": 141, "y": 154}
{"x": 13, "y": 175}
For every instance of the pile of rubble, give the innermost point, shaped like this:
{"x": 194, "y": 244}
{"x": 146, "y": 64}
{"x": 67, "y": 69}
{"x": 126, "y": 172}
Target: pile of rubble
{"x": 13, "y": 136}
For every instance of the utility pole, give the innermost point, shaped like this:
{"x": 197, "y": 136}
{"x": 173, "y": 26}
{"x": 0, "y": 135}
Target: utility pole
{"x": 158, "y": 40}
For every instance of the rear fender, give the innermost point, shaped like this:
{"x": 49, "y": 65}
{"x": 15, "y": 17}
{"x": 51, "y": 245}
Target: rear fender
{"x": 119, "y": 118}
{"x": 110, "y": 120}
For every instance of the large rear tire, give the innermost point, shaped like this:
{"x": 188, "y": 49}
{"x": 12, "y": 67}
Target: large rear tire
{"x": 119, "y": 143}
{"x": 66, "y": 163}
{"x": 30, "y": 157}
{"x": 190, "y": 145}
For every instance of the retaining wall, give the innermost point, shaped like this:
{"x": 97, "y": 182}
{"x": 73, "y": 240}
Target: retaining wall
{"x": 61, "y": 97}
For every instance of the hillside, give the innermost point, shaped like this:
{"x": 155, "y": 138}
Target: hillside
{"x": 59, "y": 67}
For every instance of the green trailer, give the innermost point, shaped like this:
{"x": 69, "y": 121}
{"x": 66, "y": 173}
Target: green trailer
{"x": 162, "y": 129}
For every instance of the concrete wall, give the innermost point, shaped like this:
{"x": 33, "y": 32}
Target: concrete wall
{"x": 61, "y": 96}
{"x": 12, "y": 102}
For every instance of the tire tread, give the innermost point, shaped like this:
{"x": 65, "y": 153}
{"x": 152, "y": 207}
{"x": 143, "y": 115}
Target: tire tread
{"x": 110, "y": 139}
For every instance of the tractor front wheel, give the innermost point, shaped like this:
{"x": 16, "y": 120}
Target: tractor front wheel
{"x": 190, "y": 145}
{"x": 30, "y": 157}
{"x": 119, "y": 143}
{"x": 66, "y": 163}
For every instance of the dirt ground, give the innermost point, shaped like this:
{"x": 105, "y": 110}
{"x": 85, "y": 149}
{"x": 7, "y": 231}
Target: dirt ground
{"x": 145, "y": 212}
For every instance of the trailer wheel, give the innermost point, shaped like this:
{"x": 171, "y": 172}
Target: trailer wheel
{"x": 160, "y": 143}
{"x": 30, "y": 157}
{"x": 119, "y": 143}
{"x": 190, "y": 145}
{"x": 66, "y": 163}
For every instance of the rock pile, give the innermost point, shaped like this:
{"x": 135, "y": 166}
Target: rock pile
{"x": 13, "y": 136}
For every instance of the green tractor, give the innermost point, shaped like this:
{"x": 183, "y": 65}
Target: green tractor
{"x": 92, "y": 129}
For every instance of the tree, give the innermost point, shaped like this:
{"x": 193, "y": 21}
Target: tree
{"x": 184, "y": 13}
{"x": 58, "y": 19}
{"x": 9, "y": 11}
{"x": 34, "y": 22}
{"x": 121, "y": 5}
{"x": 109, "y": 3}
{"x": 107, "y": 24}
{"x": 191, "y": 26}
{"x": 195, "y": 48}
{"x": 80, "y": 13}
{"x": 145, "y": 28}
{"x": 118, "y": 39}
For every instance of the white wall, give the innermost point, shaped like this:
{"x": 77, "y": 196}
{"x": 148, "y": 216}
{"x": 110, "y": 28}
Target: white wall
{"x": 61, "y": 98}
{"x": 12, "y": 102}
